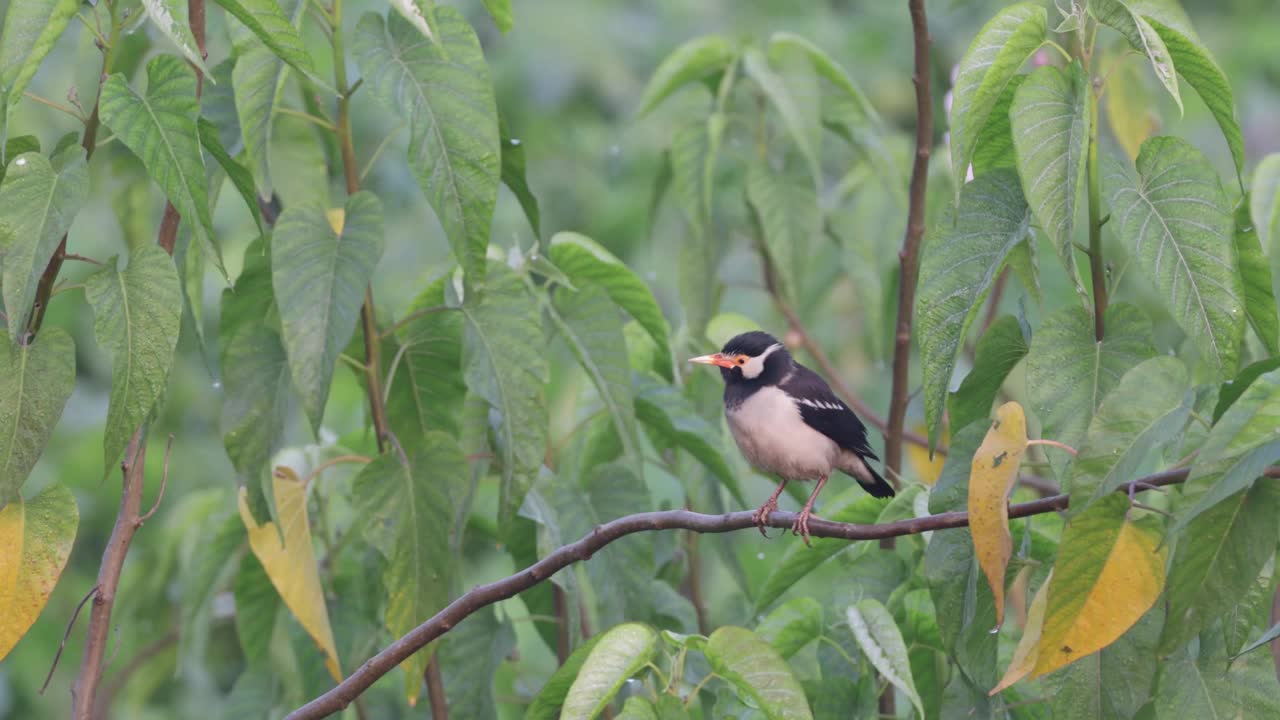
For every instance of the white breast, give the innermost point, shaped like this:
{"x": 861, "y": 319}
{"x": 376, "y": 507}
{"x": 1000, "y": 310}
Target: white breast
{"x": 768, "y": 428}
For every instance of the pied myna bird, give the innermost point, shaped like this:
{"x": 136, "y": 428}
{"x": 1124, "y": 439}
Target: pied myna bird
{"x": 787, "y": 421}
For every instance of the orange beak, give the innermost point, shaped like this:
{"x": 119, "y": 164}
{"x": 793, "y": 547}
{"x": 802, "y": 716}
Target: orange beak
{"x": 713, "y": 359}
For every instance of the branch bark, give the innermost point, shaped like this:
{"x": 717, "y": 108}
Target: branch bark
{"x": 484, "y": 595}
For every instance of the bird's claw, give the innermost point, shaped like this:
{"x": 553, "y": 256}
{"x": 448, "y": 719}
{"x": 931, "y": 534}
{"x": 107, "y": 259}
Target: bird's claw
{"x": 801, "y": 526}
{"x": 761, "y": 515}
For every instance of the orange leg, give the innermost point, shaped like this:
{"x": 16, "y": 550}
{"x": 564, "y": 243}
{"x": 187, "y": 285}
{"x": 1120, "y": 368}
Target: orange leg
{"x": 801, "y": 526}
{"x": 761, "y": 515}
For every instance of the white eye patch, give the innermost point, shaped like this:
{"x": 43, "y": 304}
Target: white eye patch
{"x": 753, "y": 367}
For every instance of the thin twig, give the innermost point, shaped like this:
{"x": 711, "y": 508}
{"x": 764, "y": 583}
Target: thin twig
{"x": 81, "y": 258}
{"x": 317, "y": 121}
{"x": 1053, "y": 443}
{"x": 413, "y": 316}
{"x": 331, "y": 462}
{"x": 377, "y": 153}
{"x": 66, "y": 634}
{"x": 56, "y": 106}
{"x": 164, "y": 480}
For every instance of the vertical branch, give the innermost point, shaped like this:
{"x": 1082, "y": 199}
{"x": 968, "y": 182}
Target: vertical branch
{"x": 1096, "y": 270}
{"x": 171, "y": 219}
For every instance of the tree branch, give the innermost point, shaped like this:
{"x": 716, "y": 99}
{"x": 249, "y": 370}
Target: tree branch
{"x": 484, "y": 595}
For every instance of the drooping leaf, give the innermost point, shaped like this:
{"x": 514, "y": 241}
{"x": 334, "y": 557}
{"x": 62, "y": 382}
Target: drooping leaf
{"x": 257, "y": 81}
{"x": 1264, "y": 209}
{"x": 239, "y": 175}
{"x": 160, "y": 128}
{"x": 513, "y": 176}
{"x": 444, "y": 93}
{"x": 35, "y": 381}
{"x": 999, "y": 350}
{"x": 1208, "y": 686}
{"x": 695, "y": 149}
{"x": 962, "y": 259}
{"x": 1114, "y": 683}
{"x": 1120, "y": 15}
{"x": 997, "y": 53}
{"x": 546, "y": 704}
{"x": 994, "y": 145}
{"x": 756, "y": 671}
{"x": 692, "y": 61}
{"x": 1069, "y": 373}
{"x": 1050, "y": 119}
{"x": 826, "y": 67}
{"x": 800, "y": 110}
{"x": 137, "y": 313}
{"x": 276, "y": 30}
{"x": 427, "y": 389}
{"x": 670, "y": 417}
{"x": 1175, "y": 217}
{"x": 286, "y": 553}
{"x": 28, "y": 33}
{"x": 172, "y": 18}
{"x": 320, "y": 277}
{"x": 1130, "y": 108}
{"x": 619, "y": 654}
{"x": 1110, "y": 570}
{"x": 792, "y": 625}
{"x": 584, "y": 260}
{"x": 881, "y": 641}
{"x": 1028, "y": 649}
{"x": 257, "y": 604}
{"x": 38, "y": 201}
{"x": 37, "y": 535}
{"x": 789, "y": 220}
{"x": 994, "y": 471}
{"x": 504, "y": 361}
{"x": 1231, "y": 390}
{"x": 1218, "y": 556}
{"x": 1256, "y": 281}
{"x": 1146, "y": 409}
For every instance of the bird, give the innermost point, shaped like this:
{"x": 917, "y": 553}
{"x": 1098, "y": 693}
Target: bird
{"x": 787, "y": 421}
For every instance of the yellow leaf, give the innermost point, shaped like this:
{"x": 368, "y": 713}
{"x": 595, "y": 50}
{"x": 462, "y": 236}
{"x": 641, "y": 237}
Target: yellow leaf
{"x": 1109, "y": 572}
{"x": 36, "y": 537}
{"x": 1130, "y": 107}
{"x": 292, "y": 566}
{"x": 991, "y": 477}
{"x": 337, "y": 218}
{"x": 1024, "y": 656}
{"x": 926, "y": 468}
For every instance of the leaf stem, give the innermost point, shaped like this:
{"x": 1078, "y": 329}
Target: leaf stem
{"x": 56, "y": 106}
{"x": 1048, "y": 42}
{"x": 318, "y": 121}
{"x": 1053, "y": 443}
{"x": 1097, "y": 269}
{"x": 377, "y": 153}
{"x": 315, "y": 472}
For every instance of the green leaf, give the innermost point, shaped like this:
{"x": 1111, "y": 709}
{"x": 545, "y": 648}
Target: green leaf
{"x": 1231, "y": 390}
{"x": 1210, "y": 687}
{"x": 588, "y": 321}
{"x": 1176, "y": 218}
{"x": 137, "y": 313}
{"x": 621, "y": 652}
{"x": 1050, "y": 118}
{"x": 798, "y": 560}
{"x": 792, "y": 625}
{"x": 584, "y": 261}
{"x": 257, "y": 81}
{"x": 546, "y": 704}
{"x": 1219, "y": 554}
{"x": 1255, "y": 277}
{"x": 160, "y": 128}
{"x": 320, "y": 278}
{"x": 171, "y": 17}
{"x": 881, "y": 642}
{"x": 504, "y": 361}
{"x": 444, "y": 93}
{"x": 801, "y": 114}
{"x": 470, "y": 657}
{"x": 239, "y": 175}
{"x": 257, "y": 603}
{"x": 13, "y": 147}
{"x": 999, "y": 350}
{"x": 1239, "y": 447}
{"x": 673, "y": 420}
{"x": 276, "y": 30}
{"x": 1069, "y": 373}
{"x": 995, "y": 56}
{"x": 500, "y": 11}
{"x": 695, "y": 60}
{"x": 1264, "y": 209}
{"x": 35, "y": 382}
{"x": 1146, "y": 409}
{"x": 38, "y": 202}
{"x": 421, "y": 14}
{"x": 962, "y": 259}
{"x": 994, "y": 145}
{"x": 513, "y": 176}
{"x": 756, "y": 671}
{"x": 1264, "y": 639}
{"x": 37, "y": 535}
{"x": 789, "y": 218}
{"x": 427, "y": 388}
{"x": 1113, "y": 683}
{"x": 695, "y": 149}
{"x": 637, "y": 708}
{"x": 826, "y": 67}
{"x": 1129, "y": 22}
{"x": 28, "y": 33}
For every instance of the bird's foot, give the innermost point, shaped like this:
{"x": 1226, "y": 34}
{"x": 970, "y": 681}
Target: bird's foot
{"x": 801, "y": 526}
{"x": 761, "y": 514}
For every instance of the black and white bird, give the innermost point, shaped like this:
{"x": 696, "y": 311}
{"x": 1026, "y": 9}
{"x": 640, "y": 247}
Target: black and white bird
{"x": 787, "y": 421}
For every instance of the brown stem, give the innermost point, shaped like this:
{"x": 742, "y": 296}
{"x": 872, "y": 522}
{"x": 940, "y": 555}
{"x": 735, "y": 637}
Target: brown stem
{"x": 71, "y": 624}
{"x": 561, "y": 604}
{"x": 84, "y": 692}
{"x": 993, "y": 302}
{"x": 484, "y": 595}
{"x": 171, "y": 219}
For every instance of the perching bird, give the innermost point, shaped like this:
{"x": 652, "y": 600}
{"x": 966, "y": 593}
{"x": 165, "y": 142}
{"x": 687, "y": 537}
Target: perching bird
{"x": 787, "y": 421}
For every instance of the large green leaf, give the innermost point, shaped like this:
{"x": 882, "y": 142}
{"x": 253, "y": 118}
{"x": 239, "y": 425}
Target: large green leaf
{"x": 320, "y": 278}
{"x": 257, "y": 604}
{"x": 38, "y": 201}
{"x": 470, "y": 657}
{"x": 789, "y": 218}
{"x": 1264, "y": 209}
{"x": 160, "y": 128}
{"x": 275, "y": 29}
{"x": 1257, "y": 282}
{"x": 961, "y": 260}
{"x": 257, "y": 81}
{"x": 35, "y": 382}
{"x": 1146, "y": 409}
{"x": 504, "y": 361}
{"x": 997, "y": 53}
{"x": 995, "y": 142}
{"x": 1113, "y": 683}
{"x": 239, "y": 175}
{"x": 546, "y": 704}
{"x": 37, "y": 536}
{"x": 881, "y": 641}
{"x": 999, "y": 350}
{"x": 1050, "y": 118}
{"x": 1176, "y": 218}
{"x": 620, "y": 653}
{"x": 1069, "y": 373}
{"x": 173, "y": 19}
{"x": 29, "y": 32}
{"x": 792, "y": 625}
{"x": 1119, "y": 15}
{"x": 695, "y": 60}
{"x": 584, "y": 260}
{"x": 427, "y": 388}
{"x": 800, "y": 109}
{"x": 673, "y": 420}
{"x": 513, "y": 176}
{"x": 443, "y": 91}
{"x": 1208, "y": 686}
{"x": 136, "y": 316}
{"x": 757, "y": 671}
{"x": 1219, "y": 554}
{"x": 1240, "y": 446}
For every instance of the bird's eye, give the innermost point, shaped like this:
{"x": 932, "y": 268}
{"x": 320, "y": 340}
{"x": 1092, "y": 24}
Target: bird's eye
{"x": 742, "y": 360}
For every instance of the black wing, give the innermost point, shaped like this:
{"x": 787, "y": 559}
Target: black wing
{"x": 826, "y": 413}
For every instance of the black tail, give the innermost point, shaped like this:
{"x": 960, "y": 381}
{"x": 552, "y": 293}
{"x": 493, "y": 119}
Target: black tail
{"x": 875, "y": 485}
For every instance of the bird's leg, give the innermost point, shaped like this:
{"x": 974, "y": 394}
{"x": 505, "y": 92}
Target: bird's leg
{"x": 801, "y": 525}
{"x": 761, "y": 514}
